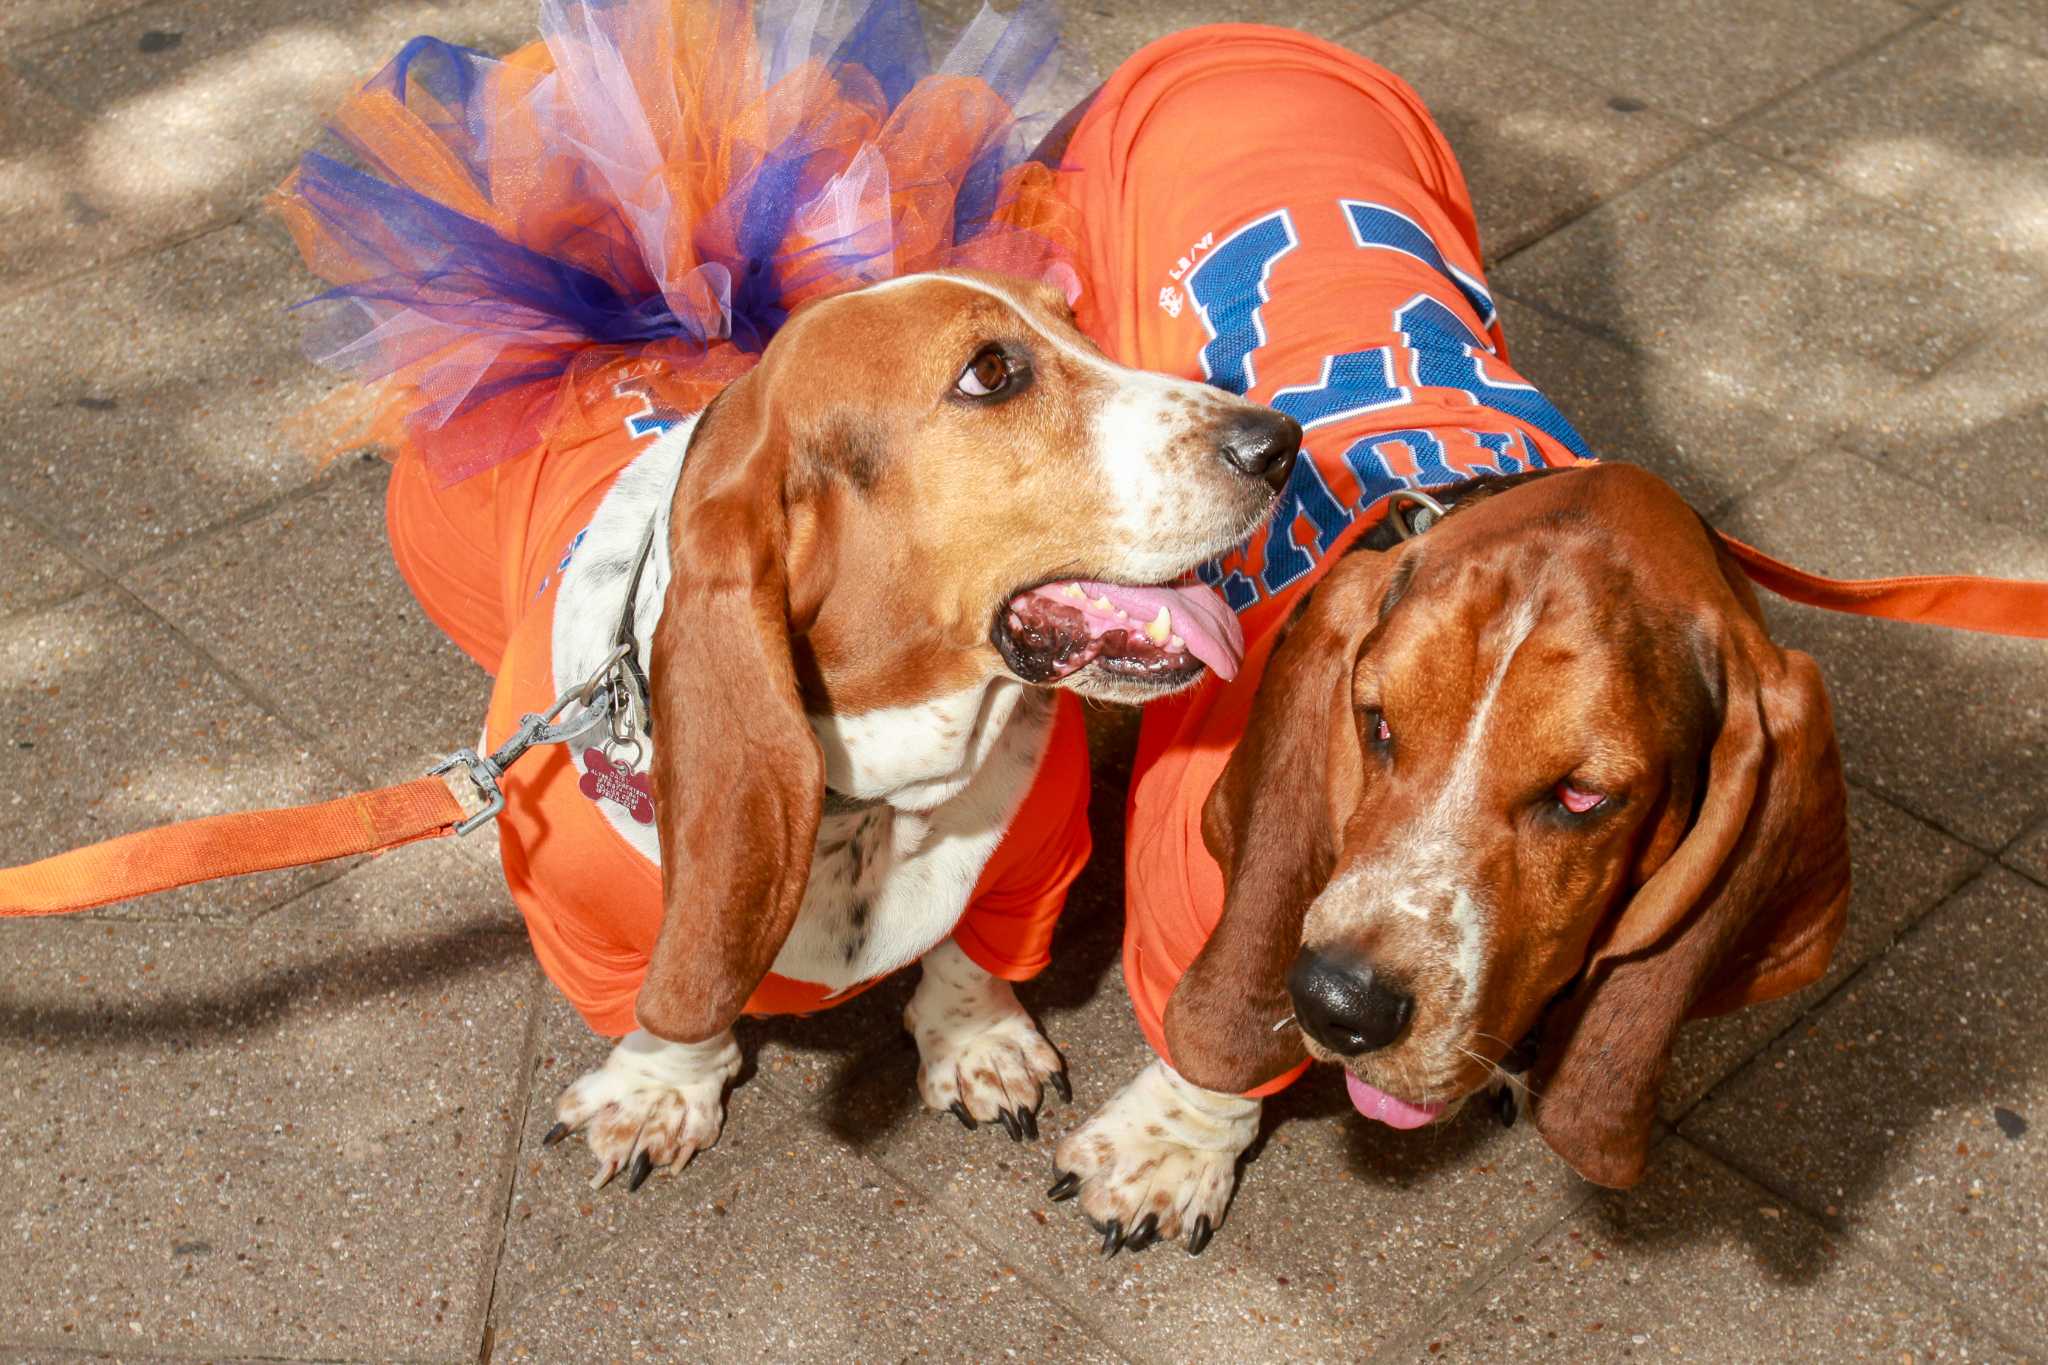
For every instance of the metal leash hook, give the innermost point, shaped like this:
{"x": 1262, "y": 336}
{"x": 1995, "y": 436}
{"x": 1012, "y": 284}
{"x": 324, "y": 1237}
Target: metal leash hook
{"x": 594, "y": 694}
{"x": 1431, "y": 511}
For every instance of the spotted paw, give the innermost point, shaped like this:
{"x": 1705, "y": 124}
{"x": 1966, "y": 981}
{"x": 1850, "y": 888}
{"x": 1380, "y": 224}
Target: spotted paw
{"x": 651, "y": 1107}
{"x": 1158, "y": 1162}
{"x": 980, "y": 1057}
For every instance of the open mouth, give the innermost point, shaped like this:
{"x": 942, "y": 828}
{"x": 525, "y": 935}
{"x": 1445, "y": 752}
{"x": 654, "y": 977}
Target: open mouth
{"x": 1160, "y": 635}
{"x": 1376, "y": 1103}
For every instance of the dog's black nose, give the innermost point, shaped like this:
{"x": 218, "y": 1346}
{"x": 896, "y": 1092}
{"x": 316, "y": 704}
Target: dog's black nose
{"x": 1263, "y": 445}
{"x": 1348, "y": 1009}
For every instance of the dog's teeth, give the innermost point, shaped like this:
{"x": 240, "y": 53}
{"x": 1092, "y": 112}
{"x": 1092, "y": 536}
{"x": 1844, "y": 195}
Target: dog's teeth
{"x": 1176, "y": 643}
{"x": 1103, "y": 604}
{"x": 1122, "y": 615}
{"x": 1073, "y": 590}
{"x": 1160, "y": 627}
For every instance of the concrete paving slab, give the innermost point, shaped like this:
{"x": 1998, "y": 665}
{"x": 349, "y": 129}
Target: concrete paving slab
{"x": 38, "y": 572}
{"x": 305, "y": 603}
{"x": 1537, "y": 146}
{"x": 1772, "y": 294}
{"x": 556, "y": 1223}
{"x": 91, "y": 751}
{"x": 1706, "y": 63}
{"x": 1944, "y": 123}
{"x": 1700, "y": 1264}
{"x": 1645, "y": 407}
{"x": 149, "y": 401}
{"x": 1900, "y": 869}
{"x": 2016, "y": 21}
{"x": 198, "y": 108}
{"x": 1950, "y": 724}
{"x": 1971, "y": 430}
{"x": 809, "y": 1254}
{"x": 289, "y": 1138}
{"x": 1909, "y": 1108}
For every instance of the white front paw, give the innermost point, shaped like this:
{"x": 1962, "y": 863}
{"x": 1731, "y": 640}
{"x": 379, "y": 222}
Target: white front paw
{"x": 652, "y": 1106}
{"x": 1158, "y": 1160}
{"x": 979, "y": 1055}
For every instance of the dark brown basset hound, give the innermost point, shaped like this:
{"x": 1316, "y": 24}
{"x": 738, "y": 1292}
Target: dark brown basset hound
{"x": 1520, "y": 794}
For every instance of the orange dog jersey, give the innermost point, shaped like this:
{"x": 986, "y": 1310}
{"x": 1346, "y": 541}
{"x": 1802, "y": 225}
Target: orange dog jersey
{"x": 1280, "y": 217}
{"x": 486, "y": 558}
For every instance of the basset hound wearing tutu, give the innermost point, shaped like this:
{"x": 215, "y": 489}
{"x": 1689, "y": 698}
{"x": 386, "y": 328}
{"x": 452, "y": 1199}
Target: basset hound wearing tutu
{"x": 1513, "y": 797}
{"x": 692, "y": 358}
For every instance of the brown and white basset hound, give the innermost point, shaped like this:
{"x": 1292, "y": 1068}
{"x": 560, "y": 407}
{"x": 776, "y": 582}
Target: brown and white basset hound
{"x": 1520, "y": 794}
{"x": 875, "y": 555}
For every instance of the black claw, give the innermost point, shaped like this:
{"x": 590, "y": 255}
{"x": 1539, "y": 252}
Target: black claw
{"x": 960, "y": 1113}
{"x": 1504, "y": 1105}
{"x": 1113, "y": 1238}
{"x": 1030, "y": 1121}
{"x": 1063, "y": 1085}
{"x": 1145, "y": 1233}
{"x": 1198, "y": 1240}
{"x": 1066, "y": 1187}
{"x": 643, "y": 1166}
{"x": 1015, "y": 1129}
{"x": 556, "y": 1134}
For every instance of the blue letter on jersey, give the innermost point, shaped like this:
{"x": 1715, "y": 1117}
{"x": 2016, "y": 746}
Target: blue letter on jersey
{"x": 1229, "y": 287}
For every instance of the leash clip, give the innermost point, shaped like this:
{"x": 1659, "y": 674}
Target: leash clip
{"x": 1429, "y": 512}
{"x": 535, "y": 727}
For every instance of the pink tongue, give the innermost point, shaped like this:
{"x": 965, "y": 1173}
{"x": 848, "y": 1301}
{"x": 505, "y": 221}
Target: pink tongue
{"x": 1205, "y": 624}
{"x": 1378, "y": 1104}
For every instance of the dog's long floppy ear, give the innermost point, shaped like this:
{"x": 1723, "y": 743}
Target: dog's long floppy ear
{"x": 1747, "y": 908}
{"x": 1273, "y": 822}
{"x": 739, "y": 780}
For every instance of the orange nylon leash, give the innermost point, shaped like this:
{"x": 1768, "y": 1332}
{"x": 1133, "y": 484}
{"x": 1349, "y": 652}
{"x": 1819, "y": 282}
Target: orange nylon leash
{"x": 1995, "y": 606}
{"x": 459, "y": 795}
{"x": 159, "y": 859}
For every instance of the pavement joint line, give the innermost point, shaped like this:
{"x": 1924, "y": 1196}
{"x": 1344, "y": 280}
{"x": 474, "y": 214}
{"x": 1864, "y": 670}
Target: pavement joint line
{"x": 1510, "y": 1258}
{"x": 1343, "y": 35}
{"x": 1551, "y": 311}
{"x": 1921, "y": 19}
{"x": 1906, "y": 474}
{"x": 1984, "y": 336}
{"x": 141, "y": 251}
{"x": 341, "y": 467}
{"x": 42, "y": 39}
{"x": 1096, "y": 1330}
{"x": 248, "y": 690}
{"x": 1876, "y": 787}
{"x": 171, "y": 1352}
{"x": 1849, "y": 1237}
{"x": 734, "y": 1169}
{"x": 64, "y": 544}
{"x": 521, "y": 1105}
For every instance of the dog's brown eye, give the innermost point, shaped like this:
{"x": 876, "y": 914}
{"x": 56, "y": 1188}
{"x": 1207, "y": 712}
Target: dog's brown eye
{"x": 1376, "y": 728}
{"x": 989, "y": 372}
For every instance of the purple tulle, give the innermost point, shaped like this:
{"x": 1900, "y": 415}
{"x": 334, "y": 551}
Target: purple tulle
{"x": 471, "y": 313}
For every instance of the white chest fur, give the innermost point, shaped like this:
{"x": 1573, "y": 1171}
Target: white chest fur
{"x": 938, "y": 780}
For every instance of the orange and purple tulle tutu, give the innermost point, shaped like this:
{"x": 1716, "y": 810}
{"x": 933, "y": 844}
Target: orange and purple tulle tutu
{"x": 654, "y": 180}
